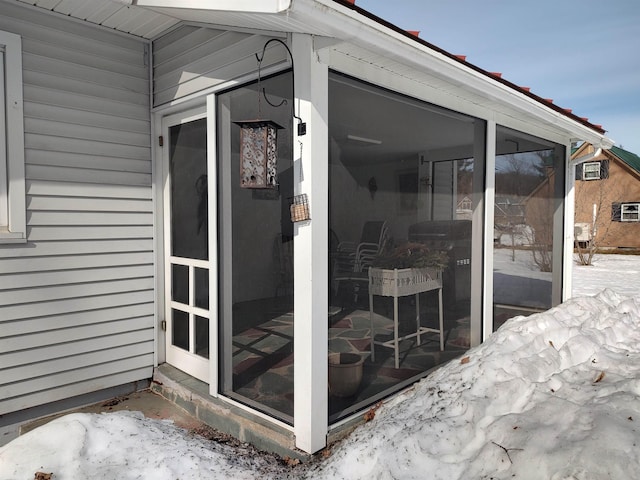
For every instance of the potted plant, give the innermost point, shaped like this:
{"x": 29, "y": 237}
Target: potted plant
{"x": 407, "y": 268}
{"x": 411, "y": 255}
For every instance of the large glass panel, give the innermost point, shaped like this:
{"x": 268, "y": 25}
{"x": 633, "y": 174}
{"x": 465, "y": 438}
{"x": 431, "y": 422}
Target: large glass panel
{"x": 256, "y": 255}
{"x": 405, "y": 180}
{"x": 528, "y": 203}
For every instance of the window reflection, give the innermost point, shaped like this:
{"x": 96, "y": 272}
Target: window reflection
{"x": 403, "y": 179}
{"x": 527, "y": 192}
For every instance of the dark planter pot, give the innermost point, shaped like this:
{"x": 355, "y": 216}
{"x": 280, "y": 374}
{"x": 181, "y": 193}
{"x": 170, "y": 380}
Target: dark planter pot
{"x": 345, "y": 374}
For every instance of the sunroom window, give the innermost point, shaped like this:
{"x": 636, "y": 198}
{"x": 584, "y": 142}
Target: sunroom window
{"x": 529, "y": 187}
{"x": 404, "y": 184}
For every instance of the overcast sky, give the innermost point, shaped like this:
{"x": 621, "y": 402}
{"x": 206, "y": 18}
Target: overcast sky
{"x": 583, "y": 54}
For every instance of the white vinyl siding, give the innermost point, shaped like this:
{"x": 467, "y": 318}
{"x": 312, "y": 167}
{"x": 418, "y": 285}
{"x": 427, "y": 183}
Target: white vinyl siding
{"x": 192, "y": 59}
{"x": 77, "y": 309}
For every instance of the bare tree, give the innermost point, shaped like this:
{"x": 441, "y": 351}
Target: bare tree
{"x": 592, "y": 203}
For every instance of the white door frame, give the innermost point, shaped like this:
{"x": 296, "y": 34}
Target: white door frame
{"x": 195, "y": 365}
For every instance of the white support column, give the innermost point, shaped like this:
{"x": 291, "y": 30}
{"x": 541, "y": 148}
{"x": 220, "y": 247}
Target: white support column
{"x": 311, "y": 249}
{"x": 490, "y": 200}
{"x": 212, "y": 208}
{"x": 569, "y": 214}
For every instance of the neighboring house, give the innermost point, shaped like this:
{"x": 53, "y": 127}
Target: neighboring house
{"x": 141, "y": 235}
{"x": 607, "y": 198}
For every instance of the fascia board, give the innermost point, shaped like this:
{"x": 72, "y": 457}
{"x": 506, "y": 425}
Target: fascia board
{"x": 242, "y": 6}
{"x": 371, "y": 35}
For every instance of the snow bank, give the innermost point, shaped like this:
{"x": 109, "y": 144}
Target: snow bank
{"x": 122, "y": 445}
{"x": 551, "y": 396}
{"x": 554, "y": 395}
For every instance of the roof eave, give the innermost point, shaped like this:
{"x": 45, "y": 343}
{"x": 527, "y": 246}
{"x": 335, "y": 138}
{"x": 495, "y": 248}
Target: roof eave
{"x": 343, "y": 20}
{"x": 354, "y": 24}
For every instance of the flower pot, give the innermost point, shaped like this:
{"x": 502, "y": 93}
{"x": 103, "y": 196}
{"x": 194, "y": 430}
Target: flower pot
{"x": 345, "y": 374}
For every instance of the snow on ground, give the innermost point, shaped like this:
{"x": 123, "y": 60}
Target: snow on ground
{"x": 123, "y": 445}
{"x": 620, "y": 273}
{"x": 552, "y": 396}
{"x": 555, "y": 395}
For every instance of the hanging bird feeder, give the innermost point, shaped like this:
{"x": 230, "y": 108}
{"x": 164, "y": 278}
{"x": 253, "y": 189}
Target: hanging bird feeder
{"x": 258, "y": 153}
{"x": 259, "y": 139}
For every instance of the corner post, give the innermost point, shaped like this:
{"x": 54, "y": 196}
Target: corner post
{"x": 310, "y": 153}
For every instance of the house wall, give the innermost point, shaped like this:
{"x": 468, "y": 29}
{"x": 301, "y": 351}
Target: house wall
{"x": 77, "y": 300}
{"x": 191, "y": 59}
{"x": 623, "y": 185}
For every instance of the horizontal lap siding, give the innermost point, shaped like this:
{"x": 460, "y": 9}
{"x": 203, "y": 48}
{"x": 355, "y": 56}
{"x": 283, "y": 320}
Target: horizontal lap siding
{"x": 191, "y": 59}
{"x": 77, "y": 301}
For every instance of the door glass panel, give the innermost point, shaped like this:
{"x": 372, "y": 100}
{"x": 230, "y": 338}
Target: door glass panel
{"x": 256, "y": 256}
{"x": 180, "y": 283}
{"x": 188, "y": 168}
{"x": 202, "y": 337}
{"x": 180, "y": 329}
{"x": 202, "y": 288}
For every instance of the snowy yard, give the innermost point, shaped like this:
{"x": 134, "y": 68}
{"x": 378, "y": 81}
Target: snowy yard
{"x": 551, "y": 396}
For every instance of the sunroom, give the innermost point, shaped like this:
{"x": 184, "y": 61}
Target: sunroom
{"x": 340, "y": 207}
{"x": 312, "y": 319}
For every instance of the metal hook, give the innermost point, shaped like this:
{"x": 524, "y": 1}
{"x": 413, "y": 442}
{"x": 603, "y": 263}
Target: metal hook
{"x": 302, "y": 127}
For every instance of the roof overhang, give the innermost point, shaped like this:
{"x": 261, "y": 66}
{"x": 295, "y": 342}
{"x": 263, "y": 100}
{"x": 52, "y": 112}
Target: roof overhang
{"x": 348, "y": 27}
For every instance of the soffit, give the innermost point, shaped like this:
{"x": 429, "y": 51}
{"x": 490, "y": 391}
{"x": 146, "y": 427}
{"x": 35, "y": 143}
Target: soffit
{"x": 441, "y": 86}
{"x": 150, "y": 22}
{"x": 111, "y": 14}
